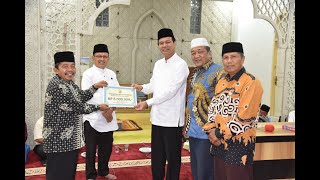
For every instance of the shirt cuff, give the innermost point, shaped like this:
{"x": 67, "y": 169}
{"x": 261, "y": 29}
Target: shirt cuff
{"x": 150, "y": 102}
{"x": 97, "y": 106}
{"x": 94, "y": 87}
{"x": 143, "y": 89}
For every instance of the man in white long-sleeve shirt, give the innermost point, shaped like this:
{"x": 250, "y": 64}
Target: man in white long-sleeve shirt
{"x": 98, "y": 125}
{"x": 168, "y": 85}
{"x": 38, "y": 140}
{"x": 291, "y": 117}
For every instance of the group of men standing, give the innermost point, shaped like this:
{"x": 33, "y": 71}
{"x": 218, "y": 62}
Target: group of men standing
{"x": 218, "y": 116}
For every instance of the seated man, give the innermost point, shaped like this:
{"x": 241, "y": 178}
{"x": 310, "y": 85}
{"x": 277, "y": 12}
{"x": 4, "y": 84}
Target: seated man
{"x": 25, "y": 132}
{"x": 38, "y": 139}
{"x": 263, "y": 114}
{"x": 26, "y": 152}
{"x": 291, "y": 117}
{"x": 26, "y": 146}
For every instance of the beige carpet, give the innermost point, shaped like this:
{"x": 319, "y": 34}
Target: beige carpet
{"x": 139, "y": 136}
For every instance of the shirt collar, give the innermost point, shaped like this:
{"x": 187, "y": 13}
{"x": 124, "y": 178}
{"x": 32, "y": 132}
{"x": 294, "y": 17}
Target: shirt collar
{"x": 98, "y": 69}
{"x": 237, "y": 75}
{"x": 63, "y": 80}
{"x": 171, "y": 59}
{"x": 205, "y": 66}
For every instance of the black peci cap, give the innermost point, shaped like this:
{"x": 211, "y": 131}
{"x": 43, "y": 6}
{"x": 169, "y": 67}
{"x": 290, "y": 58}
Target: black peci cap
{"x": 165, "y": 32}
{"x": 100, "y": 48}
{"x": 232, "y": 47}
{"x": 64, "y": 56}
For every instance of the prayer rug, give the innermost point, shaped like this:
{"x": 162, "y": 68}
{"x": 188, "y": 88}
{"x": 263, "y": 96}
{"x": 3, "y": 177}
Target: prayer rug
{"x": 128, "y": 125}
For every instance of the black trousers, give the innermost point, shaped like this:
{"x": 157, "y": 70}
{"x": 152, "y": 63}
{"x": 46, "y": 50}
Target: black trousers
{"x": 104, "y": 141}
{"x": 166, "y": 144}
{"x": 62, "y": 165}
{"x": 223, "y": 171}
{"x": 38, "y": 149}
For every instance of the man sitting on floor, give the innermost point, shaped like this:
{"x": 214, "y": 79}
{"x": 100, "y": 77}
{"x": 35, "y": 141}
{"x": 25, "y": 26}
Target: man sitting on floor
{"x": 26, "y": 146}
{"x": 291, "y": 117}
{"x": 38, "y": 139}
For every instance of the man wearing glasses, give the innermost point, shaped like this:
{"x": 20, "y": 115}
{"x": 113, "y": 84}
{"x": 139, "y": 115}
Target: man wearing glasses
{"x": 99, "y": 125}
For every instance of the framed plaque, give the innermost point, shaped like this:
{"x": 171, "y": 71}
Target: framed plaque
{"x": 119, "y": 96}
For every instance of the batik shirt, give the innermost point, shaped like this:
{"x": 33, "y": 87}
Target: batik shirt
{"x": 203, "y": 82}
{"x": 64, "y": 106}
{"x": 233, "y": 111}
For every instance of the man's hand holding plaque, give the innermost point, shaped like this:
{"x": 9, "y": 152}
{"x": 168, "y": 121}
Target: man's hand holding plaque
{"x": 100, "y": 84}
{"x": 108, "y": 114}
{"x": 141, "y": 106}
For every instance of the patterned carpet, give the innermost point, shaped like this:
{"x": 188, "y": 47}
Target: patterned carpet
{"x": 112, "y": 164}
{"x": 136, "y": 160}
{"x": 123, "y": 159}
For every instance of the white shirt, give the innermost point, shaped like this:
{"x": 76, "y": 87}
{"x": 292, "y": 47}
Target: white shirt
{"x": 37, "y": 131}
{"x": 90, "y": 77}
{"x": 168, "y": 85}
{"x": 291, "y": 117}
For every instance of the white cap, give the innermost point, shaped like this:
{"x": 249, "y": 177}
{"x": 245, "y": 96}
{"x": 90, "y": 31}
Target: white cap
{"x": 199, "y": 42}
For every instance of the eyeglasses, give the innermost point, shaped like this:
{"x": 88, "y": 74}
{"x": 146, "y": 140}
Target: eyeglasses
{"x": 104, "y": 57}
{"x": 231, "y": 57}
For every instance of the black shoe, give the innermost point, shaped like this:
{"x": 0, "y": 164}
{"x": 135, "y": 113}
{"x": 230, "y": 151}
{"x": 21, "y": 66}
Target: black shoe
{"x": 44, "y": 162}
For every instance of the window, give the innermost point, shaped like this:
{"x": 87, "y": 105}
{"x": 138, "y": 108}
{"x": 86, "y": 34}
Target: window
{"x": 103, "y": 18}
{"x": 195, "y": 19}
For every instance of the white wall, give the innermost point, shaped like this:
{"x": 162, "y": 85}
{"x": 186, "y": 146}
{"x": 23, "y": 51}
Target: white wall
{"x": 256, "y": 36}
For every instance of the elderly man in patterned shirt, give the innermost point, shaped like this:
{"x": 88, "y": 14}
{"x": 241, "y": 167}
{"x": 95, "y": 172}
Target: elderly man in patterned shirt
{"x": 203, "y": 81}
{"x": 65, "y": 103}
{"x": 232, "y": 117}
